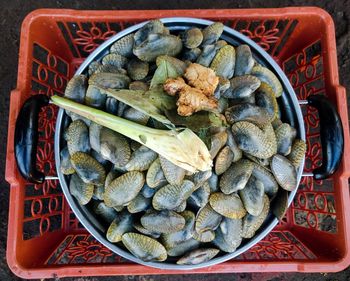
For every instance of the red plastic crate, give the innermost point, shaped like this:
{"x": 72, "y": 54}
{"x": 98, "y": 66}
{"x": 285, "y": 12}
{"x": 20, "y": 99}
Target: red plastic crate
{"x": 44, "y": 237}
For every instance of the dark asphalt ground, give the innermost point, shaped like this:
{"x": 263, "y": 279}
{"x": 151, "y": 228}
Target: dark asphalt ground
{"x": 11, "y": 15}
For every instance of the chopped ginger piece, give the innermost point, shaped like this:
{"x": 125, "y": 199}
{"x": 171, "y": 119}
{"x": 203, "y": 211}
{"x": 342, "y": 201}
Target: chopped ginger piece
{"x": 173, "y": 86}
{"x": 190, "y": 99}
{"x": 202, "y": 78}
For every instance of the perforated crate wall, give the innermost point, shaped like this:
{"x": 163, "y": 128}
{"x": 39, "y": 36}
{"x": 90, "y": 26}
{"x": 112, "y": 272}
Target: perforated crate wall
{"x": 45, "y": 238}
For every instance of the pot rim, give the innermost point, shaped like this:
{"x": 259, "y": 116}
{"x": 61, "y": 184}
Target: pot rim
{"x": 92, "y": 225}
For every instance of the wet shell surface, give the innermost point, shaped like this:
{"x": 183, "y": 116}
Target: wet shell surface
{"x": 198, "y": 256}
{"x": 170, "y": 196}
{"x": 228, "y": 236}
{"x": 229, "y": 206}
{"x": 88, "y": 169}
{"x": 253, "y": 140}
{"x": 123, "y": 189}
{"x": 144, "y": 247}
{"x": 236, "y": 177}
{"x": 163, "y": 221}
{"x": 284, "y": 172}
{"x": 252, "y": 223}
{"x": 80, "y": 190}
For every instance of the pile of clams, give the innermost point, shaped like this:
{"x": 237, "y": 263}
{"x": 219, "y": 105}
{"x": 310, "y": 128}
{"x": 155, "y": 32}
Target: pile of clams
{"x": 154, "y": 208}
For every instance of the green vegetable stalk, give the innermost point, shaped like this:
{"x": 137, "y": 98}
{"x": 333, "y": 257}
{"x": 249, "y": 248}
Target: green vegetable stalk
{"x": 182, "y": 147}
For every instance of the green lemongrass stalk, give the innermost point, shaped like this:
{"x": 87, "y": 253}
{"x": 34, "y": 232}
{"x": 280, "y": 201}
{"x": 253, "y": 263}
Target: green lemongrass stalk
{"x": 182, "y": 147}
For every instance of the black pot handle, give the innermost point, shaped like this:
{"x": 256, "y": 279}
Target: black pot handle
{"x": 332, "y": 136}
{"x": 26, "y": 138}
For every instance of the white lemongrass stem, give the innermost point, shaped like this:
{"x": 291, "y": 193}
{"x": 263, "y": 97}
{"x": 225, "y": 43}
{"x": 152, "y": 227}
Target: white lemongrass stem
{"x": 183, "y": 148}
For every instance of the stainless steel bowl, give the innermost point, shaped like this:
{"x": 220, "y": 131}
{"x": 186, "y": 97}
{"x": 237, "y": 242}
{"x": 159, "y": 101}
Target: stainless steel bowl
{"x": 291, "y": 113}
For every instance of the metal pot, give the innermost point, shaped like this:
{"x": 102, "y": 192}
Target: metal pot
{"x": 331, "y": 137}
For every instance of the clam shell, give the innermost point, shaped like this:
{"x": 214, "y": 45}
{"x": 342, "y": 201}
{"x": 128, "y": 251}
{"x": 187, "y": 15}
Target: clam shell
{"x": 208, "y": 53}
{"x": 181, "y": 207}
{"x": 183, "y": 247}
{"x": 218, "y": 140}
{"x": 88, "y": 169}
{"x": 253, "y": 140}
{"x": 120, "y": 225}
{"x": 141, "y": 159}
{"x": 205, "y": 236}
{"x": 284, "y": 172}
{"x": 81, "y": 191}
{"x": 170, "y": 240}
{"x": 152, "y": 27}
{"x": 124, "y": 189}
{"x": 94, "y": 136}
{"x": 143, "y": 230}
{"x": 247, "y": 112}
{"x": 237, "y": 153}
{"x": 76, "y": 88}
{"x": 192, "y": 38}
{"x": 198, "y": 256}
{"x": 144, "y": 247}
{"x": 244, "y": 60}
{"x": 199, "y": 178}
{"x": 156, "y": 45}
{"x": 224, "y": 62}
{"x": 173, "y": 173}
{"x": 252, "y": 223}
{"x": 213, "y": 182}
{"x": 252, "y": 196}
{"x": 207, "y": 219}
{"x": 111, "y": 176}
{"x": 163, "y": 221}
{"x": 77, "y": 137}
{"x": 200, "y": 197}
{"x": 285, "y": 135}
{"x": 93, "y": 66}
{"x": 279, "y": 204}
{"x": 170, "y": 196}
{"x": 297, "y": 153}
{"x": 124, "y": 46}
{"x": 66, "y": 166}
{"x": 265, "y": 98}
{"x": 139, "y": 204}
{"x": 114, "y": 59}
{"x": 223, "y": 160}
{"x": 267, "y": 76}
{"x": 94, "y": 97}
{"x": 212, "y": 33}
{"x": 134, "y": 115}
{"x": 228, "y": 236}
{"x": 236, "y": 177}
{"x": 137, "y": 69}
{"x": 114, "y": 147}
{"x": 242, "y": 87}
{"x": 229, "y": 206}
{"x": 110, "y": 80}
{"x": 155, "y": 176}
{"x": 268, "y": 180}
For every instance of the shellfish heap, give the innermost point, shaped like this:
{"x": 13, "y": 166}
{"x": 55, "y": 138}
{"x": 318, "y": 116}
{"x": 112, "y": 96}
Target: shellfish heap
{"x": 151, "y": 206}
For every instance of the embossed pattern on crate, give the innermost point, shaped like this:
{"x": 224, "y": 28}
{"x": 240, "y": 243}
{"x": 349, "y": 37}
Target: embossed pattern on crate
{"x": 314, "y": 204}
